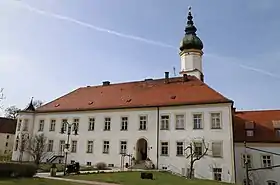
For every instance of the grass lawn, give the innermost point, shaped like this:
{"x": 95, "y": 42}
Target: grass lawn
{"x": 133, "y": 178}
{"x": 34, "y": 181}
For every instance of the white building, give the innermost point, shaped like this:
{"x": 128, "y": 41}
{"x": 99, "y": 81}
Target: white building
{"x": 261, "y": 131}
{"x": 157, "y": 119}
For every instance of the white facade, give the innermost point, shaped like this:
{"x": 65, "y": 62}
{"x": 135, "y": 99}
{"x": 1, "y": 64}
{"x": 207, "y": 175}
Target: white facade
{"x": 191, "y": 62}
{"x": 258, "y": 159}
{"x": 154, "y": 136}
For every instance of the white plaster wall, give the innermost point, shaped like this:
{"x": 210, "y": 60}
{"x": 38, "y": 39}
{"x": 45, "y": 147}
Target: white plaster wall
{"x": 191, "y": 61}
{"x": 259, "y": 177}
{"x": 203, "y": 167}
{"x": 4, "y": 140}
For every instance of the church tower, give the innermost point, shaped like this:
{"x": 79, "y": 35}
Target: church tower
{"x": 191, "y": 51}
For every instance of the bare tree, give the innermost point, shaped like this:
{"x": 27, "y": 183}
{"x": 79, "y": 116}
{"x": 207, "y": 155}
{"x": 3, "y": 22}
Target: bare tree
{"x": 1, "y": 94}
{"x": 195, "y": 151}
{"x": 37, "y": 148}
{"x": 12, "y": 112}
{"x": 37, "y": 103}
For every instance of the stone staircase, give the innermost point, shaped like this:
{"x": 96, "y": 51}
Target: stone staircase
{"x": 139, "y": 165}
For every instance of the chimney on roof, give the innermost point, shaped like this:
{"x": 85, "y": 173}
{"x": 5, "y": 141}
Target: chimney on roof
{"x": 106, "y": 83}
{"x": 185, "y": 77}
{"x": 166, "y": 77}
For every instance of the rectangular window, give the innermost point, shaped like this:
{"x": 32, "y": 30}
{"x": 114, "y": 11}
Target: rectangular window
{"x": 143, "y": 123}
{"x": 180, "y": 122}
{"x": 106, "y": 147}
{"x": 88, "y": 163}
{"x": 63, "y": 125}
{"x": 217, "y": 172}
{"x": 16, "y": 145}
{"x": 164, "y": 148}
{"x": 107, "y": 124}
{"x": 247, "y": 157}
{"x": 19, "y": 125}
{"x": 180, "y": 149}
{"x": 217, "y": 149}
{"x": 198, "y": 149}
{"x": 90, "y": 147}
{"x": 216, "y": 120}
{"x": 164, "y": 122}
{"x": 8, "y": 136}
{"x": 50, "y": 146}
{"x": 6, "y": 144}
{"x": 76, "y": 124}
{"x": 61, "y": 146}
{"x": 250, "y": 133}
{"x": 91, "y": 123}
{"x": 271, "y": 182}
{"x": 123, "y": 147}
{"x": 52, "y": 125}
{"x": 197, "y": 121}
{"x": 266, "y": 160}
{"x": 124, "y": 123}
{"x": 74, "y": 147}
{"x": 41, "y": 125}
{"x": 277, "y": 132}
{"x": 25, "y": 125}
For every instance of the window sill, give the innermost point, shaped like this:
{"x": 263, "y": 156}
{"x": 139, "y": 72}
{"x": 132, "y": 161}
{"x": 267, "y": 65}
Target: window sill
{"x": 105, "y": 152}
{"x": 217, "y": 156}
{"x": 89, "y": 152}
{"x": 164, "y": 155}
{"x": 197, "y": 128}
{"x": 181, "y": 155}
{"x": 179, "y": 128}
{"x": 142, "y": 130}
{"x": 90, "y": 130}
{"x": 164, "y": 129}
{"x": 106, "y": 130}
{"x": 123, "y": 130}
{"x": 216, "y": 128}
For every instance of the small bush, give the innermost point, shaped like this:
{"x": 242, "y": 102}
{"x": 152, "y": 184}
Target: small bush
{"x": 101, "y": 166}
{"x": 17, "y": 170}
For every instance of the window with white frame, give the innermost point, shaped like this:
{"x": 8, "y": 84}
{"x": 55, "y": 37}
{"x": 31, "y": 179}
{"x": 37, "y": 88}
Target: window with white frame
{"x": 74, "y": 146}
{"x": 124, "y": 123}
{"x": 164, "y": 122}
{"x": 76, "y": 124}
{"x": 271, "y": 182}
{"x": 197, "y": 121}
{"x": 25, "y": 125}
{"x": 90, "y": 147}
{"x": 61, "y": 146}
{"x": 106, "y": 147}
{"x": 41, "y": 125}
{"x": 50, "y": 146}
{"x": 143, "y": 123}
{"x": 19, "y": 125}
{"x": 16, "y": 144}
{"x": 180, "y": 148}
{"x": 63, "y": 124}
{"x": 88, "y": 163}
{"x": 216, "y": 121}
{"x": 107, "y": 124}
{"x": 164, "y": 148}
{"x": 180, "y": 122}
{"x": 217, "y": 173}
{"x": 250, "y": 133}
{"x": 198, "y": 148}
{"x": 266, "y": 160}
{"x": 248, "y": 158}
{"x": 123, "y": 147}
{"x": 217, "y": 149}
{"x": 91, "y": 123}
{"x": 52, "y": 125}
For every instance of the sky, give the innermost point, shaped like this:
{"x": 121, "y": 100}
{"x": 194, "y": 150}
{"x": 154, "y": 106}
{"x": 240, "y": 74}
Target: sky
{"x": 51, "y": 47}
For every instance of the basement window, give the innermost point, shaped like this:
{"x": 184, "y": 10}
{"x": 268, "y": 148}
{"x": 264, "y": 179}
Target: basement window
{"x": 250, "y": 133}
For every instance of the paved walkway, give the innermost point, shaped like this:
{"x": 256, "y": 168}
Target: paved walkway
{"x": 78, "y": 181}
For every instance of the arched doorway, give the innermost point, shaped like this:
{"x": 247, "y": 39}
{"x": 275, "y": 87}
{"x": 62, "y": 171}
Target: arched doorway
{"x": 141, "y": 149}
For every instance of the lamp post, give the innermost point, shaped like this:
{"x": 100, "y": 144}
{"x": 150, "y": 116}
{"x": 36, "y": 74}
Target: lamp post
{"x": 66, "y": 150}
{"x": 23, "y": 138}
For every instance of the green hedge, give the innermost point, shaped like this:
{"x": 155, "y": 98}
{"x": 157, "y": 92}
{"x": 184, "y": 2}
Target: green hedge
{"x": 17, "y": 170}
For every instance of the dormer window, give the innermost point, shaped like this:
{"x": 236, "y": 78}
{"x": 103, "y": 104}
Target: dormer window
{"x": 250, "y": 127}
{"x": 276, "y": 126}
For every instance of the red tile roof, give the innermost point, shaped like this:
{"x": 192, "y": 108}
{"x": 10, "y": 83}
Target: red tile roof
{"x": 264, "y": 130}
{"x": 8, "y": 125}
{"x": 149, "y": 93}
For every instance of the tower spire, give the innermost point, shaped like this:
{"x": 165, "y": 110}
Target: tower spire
{"x": 30, "y": 106}
{"x": 190, "y": 28}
